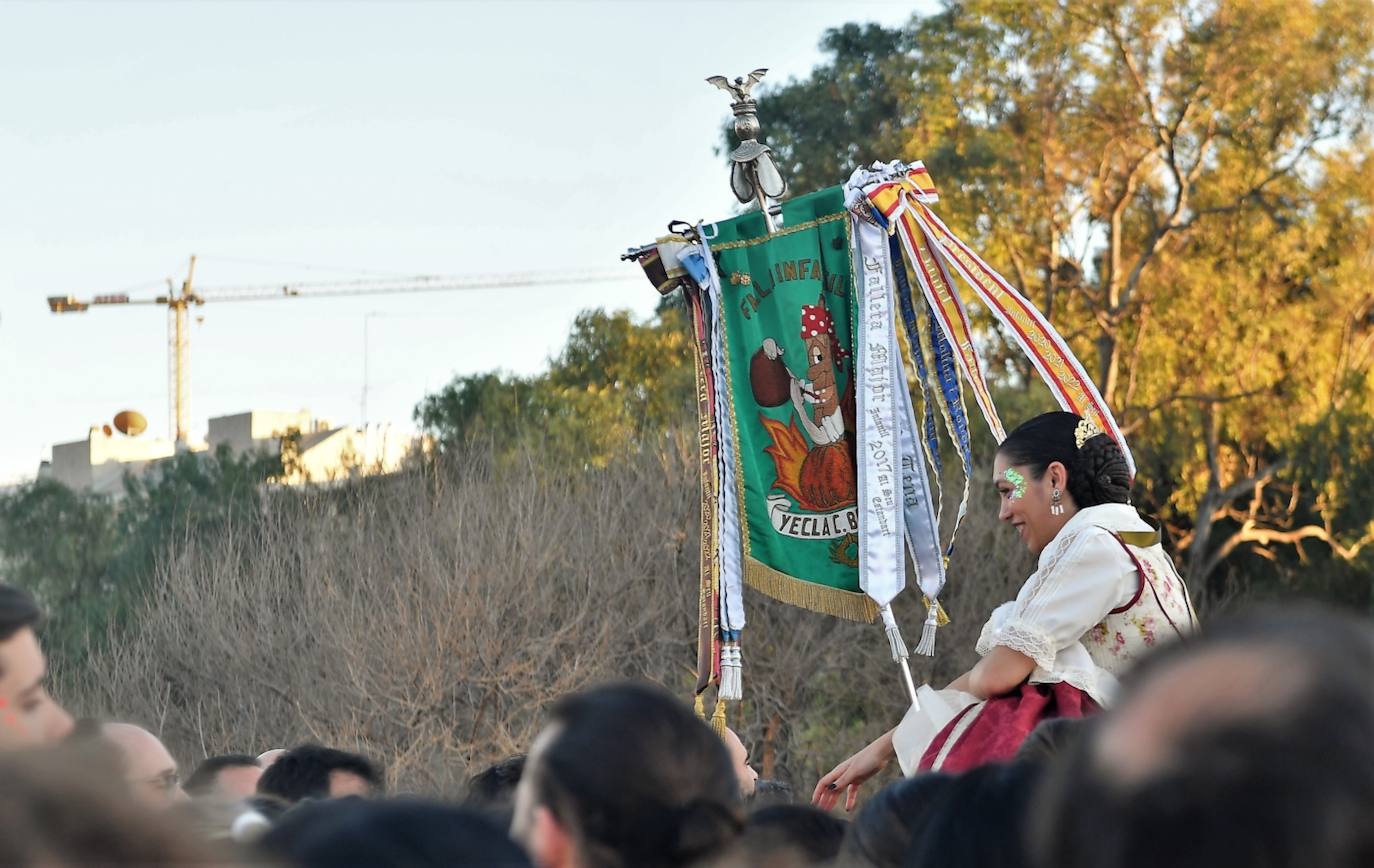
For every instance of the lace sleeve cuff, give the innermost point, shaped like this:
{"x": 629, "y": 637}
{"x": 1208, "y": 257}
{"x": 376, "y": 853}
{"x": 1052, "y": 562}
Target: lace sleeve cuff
{"x": 1023, "y": 638}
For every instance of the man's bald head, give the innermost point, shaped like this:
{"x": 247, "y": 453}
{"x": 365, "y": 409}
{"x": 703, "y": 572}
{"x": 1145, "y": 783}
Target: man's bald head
{"x": 1214, "y": 688}
{"x": 1248, "y": 745}
{"x": 149, "y": 768}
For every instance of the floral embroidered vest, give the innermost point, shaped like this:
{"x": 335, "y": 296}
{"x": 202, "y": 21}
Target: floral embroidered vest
{"x": 1159, "y": 612}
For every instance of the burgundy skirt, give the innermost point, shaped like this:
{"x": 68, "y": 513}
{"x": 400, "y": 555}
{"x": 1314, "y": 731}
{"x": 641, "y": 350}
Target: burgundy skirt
{"x": 992, "y": 731}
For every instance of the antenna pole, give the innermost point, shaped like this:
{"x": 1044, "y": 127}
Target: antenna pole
{"x": 367, "y": 320}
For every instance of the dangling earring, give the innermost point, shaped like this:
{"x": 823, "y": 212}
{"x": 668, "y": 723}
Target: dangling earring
{"x": 1056, "y": 505}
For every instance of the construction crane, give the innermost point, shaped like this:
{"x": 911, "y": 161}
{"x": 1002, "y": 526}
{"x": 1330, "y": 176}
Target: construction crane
{"x": 179, "y": 303}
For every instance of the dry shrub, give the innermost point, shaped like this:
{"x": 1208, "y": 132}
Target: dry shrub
{"x": 426, "y": 619}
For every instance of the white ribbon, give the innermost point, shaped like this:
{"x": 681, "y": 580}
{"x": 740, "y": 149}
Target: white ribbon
{"x": 887, "y": 421}
{"x": 881, "y": 571}
{"x": 918, "y": 507}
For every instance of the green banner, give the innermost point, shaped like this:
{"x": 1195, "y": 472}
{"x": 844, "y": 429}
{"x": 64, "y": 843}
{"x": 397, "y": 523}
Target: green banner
{"x": 788, "y": 310}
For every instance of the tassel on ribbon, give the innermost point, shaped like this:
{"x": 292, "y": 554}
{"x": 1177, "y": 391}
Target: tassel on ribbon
{"x": 731, "y": 673}
{"x": 926, "y": 647}
{"x": 699, "y": 706}
{"x": 718, "y": 718}
{"x": 894, "y": 635}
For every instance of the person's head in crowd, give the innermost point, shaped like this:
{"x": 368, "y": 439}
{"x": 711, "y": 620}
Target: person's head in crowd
{"x": 149, "y": 768}
{"x": 625, "y": 775}
{"x": 1052, "y": 738}
{"x": 211, "y": 819}
{"x": 981, "y": 820}
{"x": 770, "y": 792}
{"x": 67, "y": 807}
{"x": 396, "y": 833}
{"x": 267, "y": 757}
{"x": 271, "y": 807}
{"x": 1249, "y": 745}
{"x": 29, "y": 716}
{"x": 739, "y": 756}
{"x": 228, "y": 777}
{"x": 314, "y": 772}
{"x": 1040, "y": 466}
{"x": 892, "y": 820}
{"x": 791, "y": 835}
{"x": 493, "y": 788}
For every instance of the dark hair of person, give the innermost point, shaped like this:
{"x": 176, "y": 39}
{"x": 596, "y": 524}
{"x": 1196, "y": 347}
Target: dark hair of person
{"x": 202, "y": 780}
{"x": 1097, "y": 473}
{"x": 17, "y": 611}
{"x": 1273, "y": 786}
{"x": 891, "y": 822}
{"x": 769, "y": 792}
{"x": 396, "y": 833}
{"x": 1052, "y": 738}
{"x": 636, "y": 778}
{"x": 812, "y": 836}
{"x": 271, "y": 807}
{"x": 981, "y": 821}
{"x": 494, "y": 786}
{"x": 303, "y": 772}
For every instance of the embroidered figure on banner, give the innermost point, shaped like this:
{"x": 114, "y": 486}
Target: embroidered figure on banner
{"x": 814, "y": 463}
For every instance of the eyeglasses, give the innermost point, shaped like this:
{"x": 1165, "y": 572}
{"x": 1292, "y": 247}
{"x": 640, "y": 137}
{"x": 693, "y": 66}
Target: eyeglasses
{"x": 164, "y": 782}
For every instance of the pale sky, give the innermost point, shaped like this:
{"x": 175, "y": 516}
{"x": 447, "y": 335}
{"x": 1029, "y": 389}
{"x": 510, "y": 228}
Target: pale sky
{"x": 397, "y": 138}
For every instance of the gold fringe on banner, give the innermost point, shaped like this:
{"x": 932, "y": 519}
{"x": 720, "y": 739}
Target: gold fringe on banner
{"x": 818, "y": 598}
{"x": 800, "y": 227}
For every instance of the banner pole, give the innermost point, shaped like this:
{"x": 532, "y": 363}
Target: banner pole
{"x": 910, "y": 682}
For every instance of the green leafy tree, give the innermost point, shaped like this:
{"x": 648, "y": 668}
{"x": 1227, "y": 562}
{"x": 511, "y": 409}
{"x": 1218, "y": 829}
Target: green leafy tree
{"x": 89, "y": 557}
{"x": 616, "y": 382}
{"x": 60, "y": 545}
{"x": 1187, "y": 189}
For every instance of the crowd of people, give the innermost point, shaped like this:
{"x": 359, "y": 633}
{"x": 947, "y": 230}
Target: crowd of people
{"x": 1101, "y": 726}
{"x": 1251, "y": 744}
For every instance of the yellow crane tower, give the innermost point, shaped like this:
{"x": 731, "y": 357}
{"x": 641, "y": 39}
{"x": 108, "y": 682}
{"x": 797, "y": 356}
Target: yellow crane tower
{"x": 179, "y": 303}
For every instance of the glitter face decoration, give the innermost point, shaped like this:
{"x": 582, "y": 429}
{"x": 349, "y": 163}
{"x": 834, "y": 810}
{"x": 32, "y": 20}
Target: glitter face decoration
{"x": 1018, "y": 483}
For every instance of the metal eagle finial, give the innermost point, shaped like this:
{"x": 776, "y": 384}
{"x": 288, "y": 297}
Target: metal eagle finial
{"x": 753, "y": 175}
{"x": 741, "y": 86}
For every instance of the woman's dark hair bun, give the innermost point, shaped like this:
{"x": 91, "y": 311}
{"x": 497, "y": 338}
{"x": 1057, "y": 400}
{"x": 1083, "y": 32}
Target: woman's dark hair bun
{"x": 1098, "y": 472}
{"x": 1103, "y": 477}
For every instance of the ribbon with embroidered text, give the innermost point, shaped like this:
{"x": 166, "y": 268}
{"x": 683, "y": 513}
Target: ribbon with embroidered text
{"x": 708, "y": 582}
{"x": 890, "y": 447}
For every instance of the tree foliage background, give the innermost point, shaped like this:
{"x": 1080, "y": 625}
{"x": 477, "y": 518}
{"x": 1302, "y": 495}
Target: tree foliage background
{"x": 1187, "y": 190}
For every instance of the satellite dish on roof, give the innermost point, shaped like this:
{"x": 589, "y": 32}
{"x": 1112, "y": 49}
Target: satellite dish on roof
{"x": 130, "y": 422}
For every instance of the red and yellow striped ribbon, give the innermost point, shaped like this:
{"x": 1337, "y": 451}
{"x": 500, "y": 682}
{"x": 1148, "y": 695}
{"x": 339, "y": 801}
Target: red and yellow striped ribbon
{"x": 905, "y": 203}
{"x": 890, "y": 199}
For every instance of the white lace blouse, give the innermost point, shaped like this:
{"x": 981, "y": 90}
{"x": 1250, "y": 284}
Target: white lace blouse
{"x": 1084, "y": 615}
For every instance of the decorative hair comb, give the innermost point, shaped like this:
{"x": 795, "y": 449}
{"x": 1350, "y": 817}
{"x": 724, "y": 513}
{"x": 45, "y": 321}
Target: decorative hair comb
{"x": 1087, "y": 429}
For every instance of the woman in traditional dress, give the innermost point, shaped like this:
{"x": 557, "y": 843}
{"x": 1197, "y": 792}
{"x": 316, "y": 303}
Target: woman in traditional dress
{"x": 1104, "y": 592}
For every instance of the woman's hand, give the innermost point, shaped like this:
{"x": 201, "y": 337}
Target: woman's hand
{"x": 849, "y": 775}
